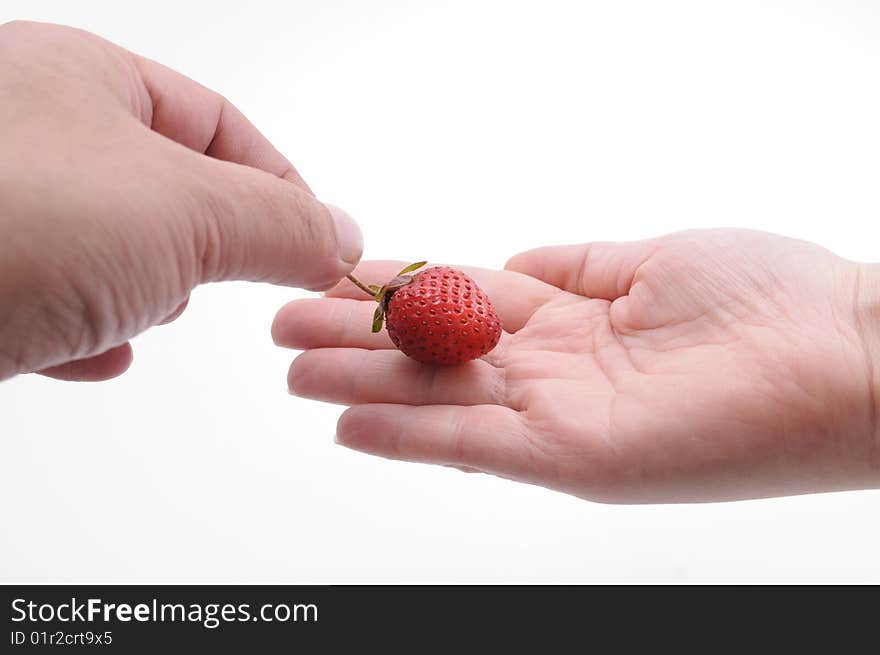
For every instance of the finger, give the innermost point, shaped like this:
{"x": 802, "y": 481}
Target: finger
{"x": 490, "y": 438}
{"x": 328, "y": 323}
{"x": 252, "y": 226}
{"x": 463, "y": 469}
{"x": 176, "y": 313}
{"x": 200, "y": 119}
{"x": 105, "y": 366}
{"x": 256, "y": 224}
{"x": 351, "y": 376}
{"x": 514, "y": 296}
{"x": 594, "y": 270}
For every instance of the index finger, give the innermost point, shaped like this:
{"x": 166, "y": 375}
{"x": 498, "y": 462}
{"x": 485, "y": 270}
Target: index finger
{"x": 202, "y": 120}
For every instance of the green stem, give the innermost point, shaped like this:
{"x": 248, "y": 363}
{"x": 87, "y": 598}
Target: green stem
{"x": 360, "y": 285}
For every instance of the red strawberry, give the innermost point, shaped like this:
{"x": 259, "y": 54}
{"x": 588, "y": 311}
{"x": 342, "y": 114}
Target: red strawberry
{"x": 438, "y": 316}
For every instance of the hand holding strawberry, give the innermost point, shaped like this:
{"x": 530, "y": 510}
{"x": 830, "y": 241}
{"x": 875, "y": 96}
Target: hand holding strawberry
{"x": 704, "y": 365}
{"x": 123, "y": 186}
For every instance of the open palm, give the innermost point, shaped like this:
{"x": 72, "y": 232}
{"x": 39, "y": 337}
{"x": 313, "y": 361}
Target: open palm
{"x": 704, "y": 365}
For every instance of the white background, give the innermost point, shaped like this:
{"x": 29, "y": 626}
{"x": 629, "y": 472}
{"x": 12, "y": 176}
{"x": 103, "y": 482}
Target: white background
{"x": 515, "y": 125}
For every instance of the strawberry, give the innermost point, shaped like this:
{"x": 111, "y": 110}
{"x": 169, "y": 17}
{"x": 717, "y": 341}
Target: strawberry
{"x": 437, "y": 316}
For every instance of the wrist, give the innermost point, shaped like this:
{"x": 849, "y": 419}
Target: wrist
{"x": 867, "y": 321}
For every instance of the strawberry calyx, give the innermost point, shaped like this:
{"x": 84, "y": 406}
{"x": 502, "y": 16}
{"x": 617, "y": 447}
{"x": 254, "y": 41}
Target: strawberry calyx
{"x": 382, "y": 295}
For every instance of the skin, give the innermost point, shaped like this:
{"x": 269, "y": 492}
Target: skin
{"x": 123, "y": 185}
{"x": 700, "y": 366}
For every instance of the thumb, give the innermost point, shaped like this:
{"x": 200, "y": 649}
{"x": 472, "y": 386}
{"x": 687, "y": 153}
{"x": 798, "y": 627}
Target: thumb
{"x": 256, "y": 226}
{"x": 595, "y": 270}
{"x": 258, "y": 220}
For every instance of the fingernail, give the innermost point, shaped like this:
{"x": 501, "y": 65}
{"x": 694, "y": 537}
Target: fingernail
{"x": 348, "y": 236}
